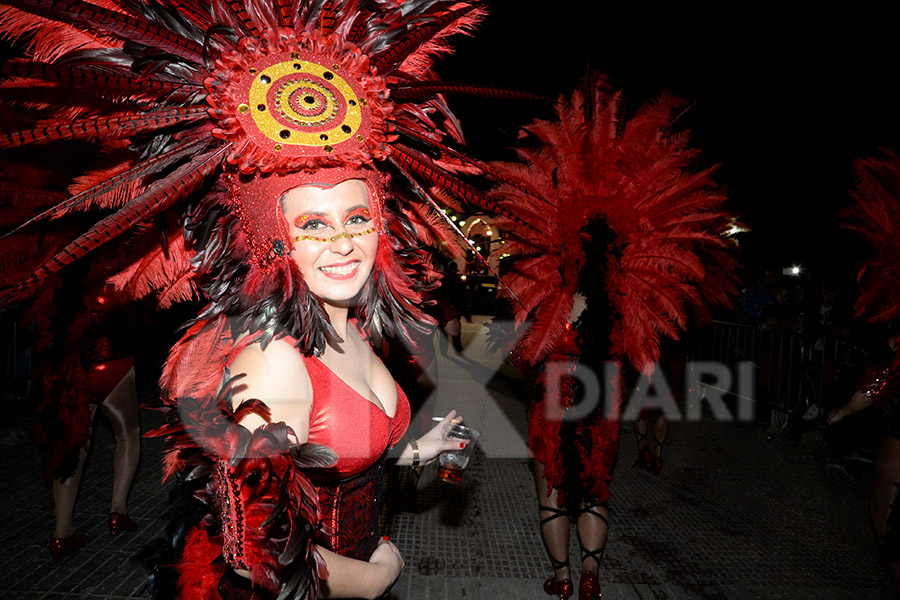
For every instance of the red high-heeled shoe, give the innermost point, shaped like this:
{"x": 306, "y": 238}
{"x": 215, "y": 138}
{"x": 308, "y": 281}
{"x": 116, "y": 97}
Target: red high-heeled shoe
{"x": 564, "y": 588}
{"x": 589, "y": 588}
{"x": 119, "y": 522}
{"x": 59, "y": 546}
{"x": 656, "y": 463}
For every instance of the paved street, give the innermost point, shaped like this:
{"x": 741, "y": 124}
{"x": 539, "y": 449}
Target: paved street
{"x": 732, "y": 516}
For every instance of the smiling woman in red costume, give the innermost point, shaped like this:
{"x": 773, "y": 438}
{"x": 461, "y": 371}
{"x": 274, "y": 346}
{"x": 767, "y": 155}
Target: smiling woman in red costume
{"x": 343, "y": 398}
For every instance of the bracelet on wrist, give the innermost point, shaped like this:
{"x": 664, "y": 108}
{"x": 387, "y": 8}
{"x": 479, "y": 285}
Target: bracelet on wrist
{"x": 415, "y": 453}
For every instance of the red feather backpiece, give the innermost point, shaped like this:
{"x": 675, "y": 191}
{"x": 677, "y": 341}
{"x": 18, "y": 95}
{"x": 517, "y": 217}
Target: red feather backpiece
{"x": 875, "y": 216}
{"x": 668, "y": 257}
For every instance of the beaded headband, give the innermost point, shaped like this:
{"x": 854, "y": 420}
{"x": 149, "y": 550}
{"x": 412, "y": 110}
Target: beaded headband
{"x": 257, "y": 201}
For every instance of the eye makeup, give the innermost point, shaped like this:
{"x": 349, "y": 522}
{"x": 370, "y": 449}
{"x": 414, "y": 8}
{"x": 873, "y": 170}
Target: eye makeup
{"x": 334, "y": 238}
{"x": 356, "y": 217}
{"x": 303, "y": 221}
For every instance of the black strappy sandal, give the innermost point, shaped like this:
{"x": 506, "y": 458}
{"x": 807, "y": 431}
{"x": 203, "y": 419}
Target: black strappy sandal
{"x": 563, "y": 588}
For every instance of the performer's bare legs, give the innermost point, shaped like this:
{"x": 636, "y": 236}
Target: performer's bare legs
{"x": 650, "y": 457}
{"x": 555, "y": 528}
{"x": 592, "y": 529}
{"x": 121, "y": 408}
{"x": 64, "y": 494}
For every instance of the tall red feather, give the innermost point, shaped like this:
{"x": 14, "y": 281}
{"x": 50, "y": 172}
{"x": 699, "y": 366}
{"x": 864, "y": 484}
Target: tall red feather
{"x": 118, "y": 126}
{"x": 157, "y": 198}
{"x": 127, "y": 27}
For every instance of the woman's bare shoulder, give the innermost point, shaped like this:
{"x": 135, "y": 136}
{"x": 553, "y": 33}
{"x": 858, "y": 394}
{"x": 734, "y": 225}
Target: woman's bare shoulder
{"x": 276, "y": 372}
{"x": 278, "y": 352}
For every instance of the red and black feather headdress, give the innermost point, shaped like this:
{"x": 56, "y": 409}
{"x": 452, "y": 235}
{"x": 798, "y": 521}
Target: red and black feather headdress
{"x": 172, "y": 94}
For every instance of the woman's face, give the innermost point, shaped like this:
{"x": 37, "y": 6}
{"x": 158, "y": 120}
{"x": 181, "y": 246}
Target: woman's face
{"x": 334, "y": 238}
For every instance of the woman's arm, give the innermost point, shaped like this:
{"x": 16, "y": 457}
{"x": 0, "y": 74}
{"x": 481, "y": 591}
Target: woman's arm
{"x": 856, "y": 403}
{"x": 350, "y": 578}
{"x": 278, "y": 377}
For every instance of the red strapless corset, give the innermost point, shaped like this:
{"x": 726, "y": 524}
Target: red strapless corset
{"x": 360, "y": 433}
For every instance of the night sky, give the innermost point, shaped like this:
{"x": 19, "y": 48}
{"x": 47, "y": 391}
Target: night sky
{"x": 783, "y": 99}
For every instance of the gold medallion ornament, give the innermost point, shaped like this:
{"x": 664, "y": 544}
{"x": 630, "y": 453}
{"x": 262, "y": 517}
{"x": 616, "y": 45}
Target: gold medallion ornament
{"x": 293, "y": 102}
{"x": 303, "y": 107}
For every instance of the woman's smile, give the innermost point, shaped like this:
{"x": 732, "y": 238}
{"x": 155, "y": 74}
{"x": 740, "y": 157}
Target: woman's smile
{"x": 335, "y": 238}
{"x": 341, "y": 271}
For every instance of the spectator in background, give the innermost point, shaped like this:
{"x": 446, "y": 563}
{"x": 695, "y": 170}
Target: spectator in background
{"x": 782, "y": 314}
{"x": 828, "y": 326}
{"x": 781, "y": 320}
{"x": 755, "y": 298}
{"x": 451, "y": 304}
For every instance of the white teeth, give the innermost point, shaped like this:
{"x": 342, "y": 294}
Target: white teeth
{"x": 342, "y": 270}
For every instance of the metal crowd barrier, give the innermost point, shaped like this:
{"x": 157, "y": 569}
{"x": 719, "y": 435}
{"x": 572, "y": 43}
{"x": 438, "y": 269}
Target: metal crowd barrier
{"x": 787, "y": 368}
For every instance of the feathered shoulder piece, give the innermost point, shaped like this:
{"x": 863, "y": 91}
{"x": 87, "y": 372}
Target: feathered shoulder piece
{"x": 263, "y": 512}
{"x": 875, "y": 215}
{"x": 662, "y": 251}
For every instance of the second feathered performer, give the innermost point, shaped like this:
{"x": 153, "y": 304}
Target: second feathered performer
{"x": 628, "y": 243}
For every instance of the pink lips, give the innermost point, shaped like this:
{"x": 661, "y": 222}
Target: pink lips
{"x": 341, "y": 276}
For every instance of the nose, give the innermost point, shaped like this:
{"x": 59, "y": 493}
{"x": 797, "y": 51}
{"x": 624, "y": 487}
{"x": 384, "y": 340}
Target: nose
{"x": 341, "y": 244}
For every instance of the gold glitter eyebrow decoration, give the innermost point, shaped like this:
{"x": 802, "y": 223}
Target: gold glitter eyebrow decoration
{"x": 334, "y": 238}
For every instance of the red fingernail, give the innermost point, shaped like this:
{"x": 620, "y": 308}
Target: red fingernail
{"x": 461, "y": 445}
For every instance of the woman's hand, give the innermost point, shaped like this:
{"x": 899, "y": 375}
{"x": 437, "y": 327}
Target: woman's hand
{"x": 860, "y": 400}
{"x": 835, "y": 416}
{"x": 389, "y": 561}
{"x": 436, "y": 441}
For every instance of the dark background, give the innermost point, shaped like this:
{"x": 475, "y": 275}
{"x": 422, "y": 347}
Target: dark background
{"x": 784, "y": 99}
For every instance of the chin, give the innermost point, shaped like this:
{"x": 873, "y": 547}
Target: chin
{"x": 334, "y": 292}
